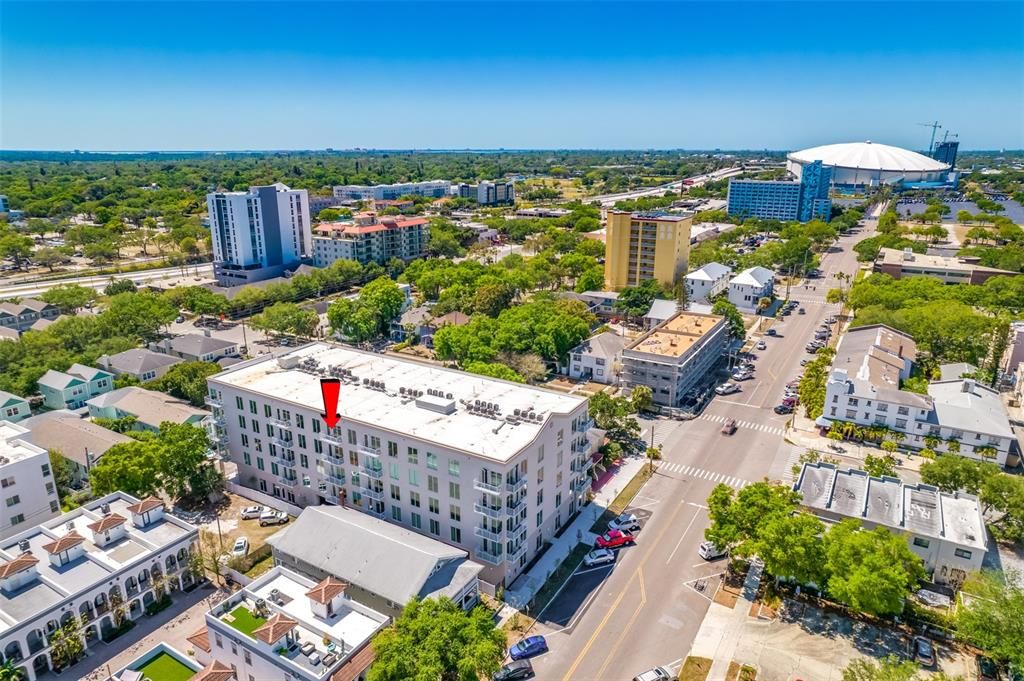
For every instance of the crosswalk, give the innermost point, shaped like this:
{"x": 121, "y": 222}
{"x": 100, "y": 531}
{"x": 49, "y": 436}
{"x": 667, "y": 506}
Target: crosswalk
{"x": 715, "y": 418}
{"x": 693, "y": 472}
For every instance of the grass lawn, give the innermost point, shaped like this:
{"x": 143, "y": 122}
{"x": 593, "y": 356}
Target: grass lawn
{"x": 260, "y": 566}
{"x": 243, "y": 620}
{"x": 623, "y": 500}
{"x": 695, "y": 669}
{"x": 163, "y": 667}
{"x": 558, "y": 577}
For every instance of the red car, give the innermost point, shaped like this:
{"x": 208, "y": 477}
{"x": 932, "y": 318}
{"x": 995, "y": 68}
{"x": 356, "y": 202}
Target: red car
{"x": 613, "y": 539}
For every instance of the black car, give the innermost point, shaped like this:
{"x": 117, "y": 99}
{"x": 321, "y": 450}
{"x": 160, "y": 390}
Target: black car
{"x": 988, "y": 670}
{"x": 520, "y": 669}
{"x": 783, "y": 409}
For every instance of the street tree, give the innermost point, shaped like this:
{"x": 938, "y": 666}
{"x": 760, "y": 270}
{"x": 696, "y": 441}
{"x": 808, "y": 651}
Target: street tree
{"x": 954, "y": 473}
{"x": 791, "y": 547}
{"x": 185, "y": 470}
{"x": 872, "y": 571}
{"x": 991, "y": 616}
{"x": 641, "y": 398}
{"x": 733, "y": 318}
{"x": 881, "y": 466}
{"x": 70, "y": 298}
{"x": 436, "y": 640}
{"x": 131, "y": 467}
{"x": 186, "y": 380}
{"x": 737, "y": 518}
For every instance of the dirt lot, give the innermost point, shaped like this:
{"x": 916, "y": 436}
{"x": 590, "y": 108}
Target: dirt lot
{"x": 232, "y": 526}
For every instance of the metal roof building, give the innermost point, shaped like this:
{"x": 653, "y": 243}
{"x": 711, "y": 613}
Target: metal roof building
{"x": 870, "y": 164}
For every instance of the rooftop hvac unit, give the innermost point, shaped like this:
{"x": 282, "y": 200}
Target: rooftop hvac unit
{"x": 366, "y": 381}
{"x": 401, "y": 390}
{"x": 24, "y": 546}
{"x": 449, "y": 396}
{"x": 105, "y": 509}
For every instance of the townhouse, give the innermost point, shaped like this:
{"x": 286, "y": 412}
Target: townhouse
{"x": 70, "y": 389}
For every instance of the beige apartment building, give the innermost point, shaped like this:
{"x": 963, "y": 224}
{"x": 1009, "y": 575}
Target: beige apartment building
{"x": 642, "y": 246}
{"x": 492, "y": 467}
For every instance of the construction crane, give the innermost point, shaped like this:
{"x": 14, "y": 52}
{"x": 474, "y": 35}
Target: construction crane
{"x": 934, "y": 126}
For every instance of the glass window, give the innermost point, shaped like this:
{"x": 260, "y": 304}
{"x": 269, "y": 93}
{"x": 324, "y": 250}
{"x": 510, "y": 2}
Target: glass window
{"x": 962, "y": 553}
{"x": 453, "y": 467}
{"x": 414, "y": 499}
{"x": 417, "y": 521}
{"x": 453, "y": 490}
{"x": 455, "y": 513}
{"x": 920, "y": 541}
{"x": 432, "y": 461}
{"x": 414, "y": 456}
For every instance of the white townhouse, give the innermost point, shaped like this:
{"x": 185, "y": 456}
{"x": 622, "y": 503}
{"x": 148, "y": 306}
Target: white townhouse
{"x": 706, "y": 282}
{"x": 750, "y": 286}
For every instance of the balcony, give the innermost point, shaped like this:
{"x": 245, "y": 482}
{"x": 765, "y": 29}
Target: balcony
{"x": 487, "y": 488}
{"x": 282, "y": 424}
{"x": 488, "y": 511}
{"x": 585, "y": 426}
{"x": 581, "y": 484}
{"x": 518, "y": 553}
{"x": 485, "y": 533}
{"x": 486, "y": 556}
{"x": 334, "y": 458}
{"x": 516, "y": 485}
{"x": 334, "y": 478}
{"x": 331, "y": 499}
{"x": 333, "y": 439}
{"x": 518, "y": 535}
{"x": 283, "y": 443}
{"x": 370, "y": 493}
{"x": 370, "y": 451}
{"x": 514, "y": 508}
{"x": 287, "y": 461}
{"x": 214, "y": 402}
{"x": 287, "y": 482}
{"x": 375, "y": 473}
{"x": 374, "y": 511}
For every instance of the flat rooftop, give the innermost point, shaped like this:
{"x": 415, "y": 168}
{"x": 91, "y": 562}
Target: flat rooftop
{"x": 677, "y": 335}
{"x": 656, "y": 216}
{"x": 97, "y": 564}
{"x": 921, "y": 509}
{"x": 893, "y": 256}
{"x": 453, "y": 421}
{"x": 14, "y": 449}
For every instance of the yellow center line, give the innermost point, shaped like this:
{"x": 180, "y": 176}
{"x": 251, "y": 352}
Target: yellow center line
{"x": 629, "y": 625}
{"x": 625, "y": 590}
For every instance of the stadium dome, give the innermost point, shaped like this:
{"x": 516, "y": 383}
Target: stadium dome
{"x": 870, "y": 163}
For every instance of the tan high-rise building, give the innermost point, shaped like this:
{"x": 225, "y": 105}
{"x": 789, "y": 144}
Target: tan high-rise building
{"x": 641, "y": 246}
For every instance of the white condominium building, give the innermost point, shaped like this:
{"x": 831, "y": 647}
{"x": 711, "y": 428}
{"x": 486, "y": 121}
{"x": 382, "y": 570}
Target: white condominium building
{"x": 102, "y": 563}
{"x": 386, "y": 192}
{"x": 28, "y": 494}
{"x": 493, "y": 467}
{"x": 259, "y": 233}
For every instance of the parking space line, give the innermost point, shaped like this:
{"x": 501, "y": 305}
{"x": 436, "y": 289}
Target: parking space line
{"x": 589, "y": 570}
{"x": 682, "y": 536}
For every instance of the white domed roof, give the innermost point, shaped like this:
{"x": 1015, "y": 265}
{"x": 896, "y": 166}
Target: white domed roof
{"x": 868, "y": 156}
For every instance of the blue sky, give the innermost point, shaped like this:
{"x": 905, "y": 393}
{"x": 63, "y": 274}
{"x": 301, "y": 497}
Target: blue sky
{"x": 266, "y": 75}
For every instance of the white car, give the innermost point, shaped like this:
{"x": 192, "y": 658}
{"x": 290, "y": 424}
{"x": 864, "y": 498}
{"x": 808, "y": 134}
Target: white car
{"x": 253, "y": 512}
{"x": 727, "y": 389}
{"x": 761, "y": 345}
{"x": 272, "y": 517}
{"x": 599, "y": 557}
{"x": 241, "y": 547}
{"x": 709, "y": 551}
{"x": 742, "y": 375}
{"x": 626, "y": 521}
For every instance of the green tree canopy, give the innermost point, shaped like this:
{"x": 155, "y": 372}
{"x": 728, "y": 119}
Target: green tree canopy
{"x": 991, "y": 615}
{"x": 732, "y": 315}
{"x": 70, "y": 298}
{"x": 186, "y": 380}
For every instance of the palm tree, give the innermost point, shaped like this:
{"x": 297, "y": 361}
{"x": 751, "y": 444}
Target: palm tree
{"x": 66, "y": 646}
{"x": 932, "y": 442}
{"x": 986, "y": 452}
{"x": 9, "y": 671}
{"x": 953, "y": 446}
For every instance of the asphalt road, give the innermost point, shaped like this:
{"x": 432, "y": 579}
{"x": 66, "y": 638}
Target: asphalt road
{"x": 609, "y": 200}
{"x": 612, "y": 623}
{"x": 203, "y": 271}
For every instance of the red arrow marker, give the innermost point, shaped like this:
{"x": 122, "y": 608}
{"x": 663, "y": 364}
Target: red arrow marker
{"x": 329, "y": 388}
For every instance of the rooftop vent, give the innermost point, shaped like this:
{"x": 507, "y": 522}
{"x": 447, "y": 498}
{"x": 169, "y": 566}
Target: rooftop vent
{"x": 436, "y": 404}
{"x": 288, "y": 361}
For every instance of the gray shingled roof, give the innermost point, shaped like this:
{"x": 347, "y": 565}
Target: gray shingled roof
{"x": 197, "y": 345}
{"x": 70, "y": 435}
{"x": 138, "y": 361}
{"x": 378, "y": 556}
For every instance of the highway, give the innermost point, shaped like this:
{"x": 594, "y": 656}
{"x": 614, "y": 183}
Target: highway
{"x": 24, "y": 290}
{"x": 612, "y": 623}
{"x": 608, "y": 200}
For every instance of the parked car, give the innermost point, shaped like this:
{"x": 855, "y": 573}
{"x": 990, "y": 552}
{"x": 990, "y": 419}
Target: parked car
{"x": 520, "y": 669}
{"x": 830, "y": 320}
{"x": 252, "y": 512}
{"x": 727, "y": 389}
{"x": 790, "y": 401}
{"x": 987, "y": 668}
{"x": 770, "y": 332}
{"x": 801, "y": 311}
{"x": 924, "y": 652}
{"x": 528, "y": 647}
{"x": 708, "y": 551}
{"x": 742, "y": 375}
{"x": 241, "y": 547}
{"x": 627, "y": 522}
{"x": 656, "y": 674}
{"x": 783, "y": 409}
{"x": 599, "y": 557}
{"x": 613, "y": 539}
{"x": 761, "y": 345}
{"x": 729, "y": 427}
{"x": 271, "y": 517}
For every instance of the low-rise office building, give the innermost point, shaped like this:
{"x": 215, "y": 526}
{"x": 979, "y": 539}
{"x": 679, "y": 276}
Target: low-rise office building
{"x": 28, "y": 493}
{"x": 362, "y": 192}
{"x": 748, "y": 287}
{"x": 150, "y": 408}
{"x": 368, "y": 238}
{"x": 72, "y": 388}
{"x": 947, "y": 269}
{"x": 946, "y": 531}
{"x": 101, "y": 563}
{"x": 285, "y": 625}
{"x": 863, "y": 388}
{"x": 672, "y": 358}
{"x": 492, "y": 467}
{"x": 706, "y": 282}
{"x": 13, "y": 408}
{"x": 385, "y": 565}
{"x": 598, "y": 358}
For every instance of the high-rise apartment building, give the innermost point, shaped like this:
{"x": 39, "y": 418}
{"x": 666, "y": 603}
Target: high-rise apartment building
{"x": 805, "y": 199}
{"x": 28, "y": 492}
{"x": 259, "y": 233}
{"x": 489, "y": 466}
{"x": 384, "y": 192}
{"x": 367, "y": 238}
{"x": 642, "y": 246}
{"x": 489, "y": 193}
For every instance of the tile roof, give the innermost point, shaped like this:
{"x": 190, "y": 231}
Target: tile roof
{"x": 327, "y": 589}
{"x": 355, "y": 665}
{"x": 276, "y": 627}
{"x": 200, "y": 639}
{"x": 13, "y": 567}
{"x": 215, "y": 671}
{"x": 64, "y": 543}
{"x": 147, "y": 504}
{"x": 107, "y": 522}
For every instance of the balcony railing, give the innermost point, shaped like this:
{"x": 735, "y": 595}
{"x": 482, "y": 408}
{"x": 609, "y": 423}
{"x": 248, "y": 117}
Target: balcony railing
{"x": 287, "y": 461}
{"x": 488, "y": 557}
{"x": 375, "y": 473}
{"x": 488, "y": 511}
{"x": 282, "y": 424}
{"x": 514, "y": 507}
{"x": 214, "y": 402}
{"x": 336, "y": 479}
{"x": 371, "y": 493}
{"x": 334, "y": 458}
{"x": 331, "y": 499}
{"x": 487, "y": 487}
{"x": 333, "y": 439}
{"x": 485, "y": 533}
{"x": 373, "y": 510}
{"x": 518, "y": 553}
{"x": 281, "y": 442}
{"x": 516, "y": 485}
{"x": 288, "y": 482}
{"x": 370, "y": 451}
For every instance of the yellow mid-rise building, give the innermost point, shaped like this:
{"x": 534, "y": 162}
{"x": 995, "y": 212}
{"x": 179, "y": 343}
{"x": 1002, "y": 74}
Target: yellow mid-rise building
{"x": 642, "y": 246}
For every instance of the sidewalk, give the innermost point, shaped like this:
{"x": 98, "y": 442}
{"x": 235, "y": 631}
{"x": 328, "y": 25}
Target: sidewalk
{"x": 803, "y": 433}
{"x": 527, "y": 584}
{"x": 722, "y": 629}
